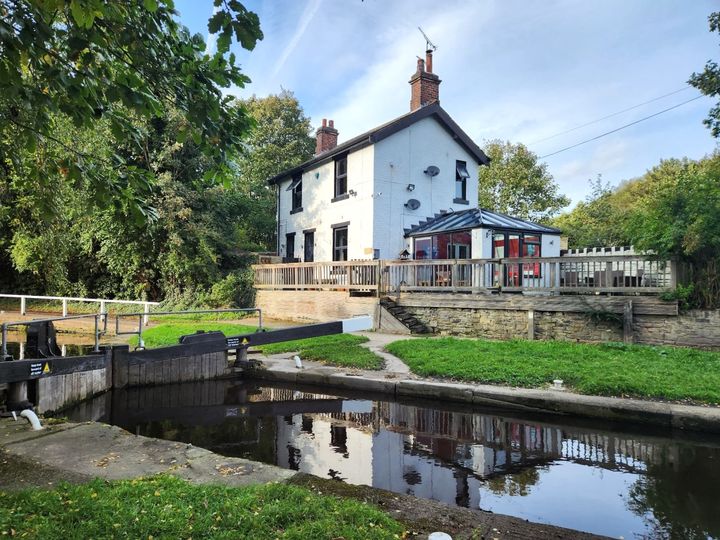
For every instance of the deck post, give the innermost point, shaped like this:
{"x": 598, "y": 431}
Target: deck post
{"x": 454, "y": 275}
{"x": 65, "y": 309}
{"x": 673, "y": 274}
{"x": 146, "y": 309}
{"x": 23, "y": 305}
{"x": 628, "y": 322}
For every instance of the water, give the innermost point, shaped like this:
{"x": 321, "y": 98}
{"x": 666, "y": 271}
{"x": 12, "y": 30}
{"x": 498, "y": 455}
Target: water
{"x": 601, "y": 478}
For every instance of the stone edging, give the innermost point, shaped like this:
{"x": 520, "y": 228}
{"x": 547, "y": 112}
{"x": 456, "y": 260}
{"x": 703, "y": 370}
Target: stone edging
{"x": 668, "y": 415}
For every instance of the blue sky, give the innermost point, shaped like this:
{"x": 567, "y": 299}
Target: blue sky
{"x": 515, "y": 70}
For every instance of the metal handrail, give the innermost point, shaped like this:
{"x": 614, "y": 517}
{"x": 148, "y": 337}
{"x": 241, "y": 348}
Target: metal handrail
{"x": 143, "y": 317}
{"x": 96, "y": 316}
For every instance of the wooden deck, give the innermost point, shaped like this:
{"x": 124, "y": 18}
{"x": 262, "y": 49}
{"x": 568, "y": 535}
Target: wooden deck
{"x": 618, "y": 274}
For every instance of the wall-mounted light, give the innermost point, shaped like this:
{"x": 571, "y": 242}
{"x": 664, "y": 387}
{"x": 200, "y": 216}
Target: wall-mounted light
{"x": 410, "y": 187}
{"x": 352, "y": 192}
{"x": 317, "y": 175}
{"x": 552, "y": 242}
{"x": 488, "y": 233}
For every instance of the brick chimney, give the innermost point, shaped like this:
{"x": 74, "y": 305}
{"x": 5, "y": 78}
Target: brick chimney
{"x": 424, "y": 84}
{"x": 326, "y": 137}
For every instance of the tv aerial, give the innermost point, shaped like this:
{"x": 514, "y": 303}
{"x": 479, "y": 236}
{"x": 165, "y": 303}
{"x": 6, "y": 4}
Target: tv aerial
{"x": 429, "y": 45}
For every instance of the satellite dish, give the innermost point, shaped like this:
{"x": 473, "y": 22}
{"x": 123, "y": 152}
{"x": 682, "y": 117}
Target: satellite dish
{"x": 412, "y": 204}
{"x": 432, "y": 170}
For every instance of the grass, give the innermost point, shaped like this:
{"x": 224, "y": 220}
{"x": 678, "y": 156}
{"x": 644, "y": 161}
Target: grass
{"x": 167, "y": 507}
{"x": 337, "y": 350}
{"x": 612, "y": 369}
{"x": 170, "y": 332}
{"x": 225, "y": 316}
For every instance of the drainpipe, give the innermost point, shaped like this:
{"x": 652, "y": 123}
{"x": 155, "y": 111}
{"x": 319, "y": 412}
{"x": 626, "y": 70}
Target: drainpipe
{"x": 277, "y": 218}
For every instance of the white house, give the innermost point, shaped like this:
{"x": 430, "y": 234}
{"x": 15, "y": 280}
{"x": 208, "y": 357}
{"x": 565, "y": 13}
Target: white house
{"x": 407, "y": 187}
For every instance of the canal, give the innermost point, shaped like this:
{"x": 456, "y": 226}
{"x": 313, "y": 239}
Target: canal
{"x": 602, "y": 478}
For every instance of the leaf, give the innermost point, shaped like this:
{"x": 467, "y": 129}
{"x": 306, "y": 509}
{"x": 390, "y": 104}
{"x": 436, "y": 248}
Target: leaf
{"x": 150, "y": 5}
{"x": 223, "y": 41}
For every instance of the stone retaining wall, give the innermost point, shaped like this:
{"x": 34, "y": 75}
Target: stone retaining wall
{"x": 692, "y": 329}
{"x": 314, "y": 306}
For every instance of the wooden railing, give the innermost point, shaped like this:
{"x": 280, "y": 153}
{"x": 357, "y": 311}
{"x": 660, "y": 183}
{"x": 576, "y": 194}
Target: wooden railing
{"x": 584, "y": 275}
{"x": 316, "y": 275}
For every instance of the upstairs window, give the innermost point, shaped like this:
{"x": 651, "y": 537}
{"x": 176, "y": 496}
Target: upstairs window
{"x": 296, "y": 189}
{"x": 341, "y": 176}
{"x": 461, "y": 176}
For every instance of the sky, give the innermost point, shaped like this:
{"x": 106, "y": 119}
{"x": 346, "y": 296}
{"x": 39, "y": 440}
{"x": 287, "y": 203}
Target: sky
{"x": 523, "y": 71}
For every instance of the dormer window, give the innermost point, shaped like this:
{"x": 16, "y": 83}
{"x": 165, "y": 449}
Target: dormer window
{"x": 341, "y": 185}
{"x": 461, "y": 176}
{"x": 296, "y": 189}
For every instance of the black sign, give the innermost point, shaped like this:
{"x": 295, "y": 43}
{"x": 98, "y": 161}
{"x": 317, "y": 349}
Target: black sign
{"x": 232, "y": 342}
{"x": 40, "y": 368}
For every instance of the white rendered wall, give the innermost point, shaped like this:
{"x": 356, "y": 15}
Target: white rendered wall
{"x": 321, "y": 214}
{"x": 550, "y": 245}
{"x": 400, "y": 160}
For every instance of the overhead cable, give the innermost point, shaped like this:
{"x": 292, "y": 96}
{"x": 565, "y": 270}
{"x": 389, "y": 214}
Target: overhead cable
{"x": 621, "y": 127}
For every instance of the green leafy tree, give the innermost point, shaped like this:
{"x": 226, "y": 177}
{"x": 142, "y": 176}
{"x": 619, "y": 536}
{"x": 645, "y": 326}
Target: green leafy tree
{"x": 516, "y": 183}
{"x": 681, "y": 220}
{"x": 90, "y": 60}
{"x": 280, "y": 139}
{"x": 596, "y": 221}
{"x": 708, "y": 81}
{"x": 671, "y": 212}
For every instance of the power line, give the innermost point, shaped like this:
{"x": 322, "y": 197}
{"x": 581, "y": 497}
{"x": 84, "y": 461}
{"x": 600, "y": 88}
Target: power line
{"x": 622, "y": 127}
{"x": 611, "y": 115}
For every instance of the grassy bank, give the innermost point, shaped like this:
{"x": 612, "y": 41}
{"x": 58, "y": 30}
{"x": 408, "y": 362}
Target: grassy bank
{"x": 612, "y": 369}
{"x": 338, "y": 350}
{"x": 168, "y": 333}
{"x": 167, "y": 507}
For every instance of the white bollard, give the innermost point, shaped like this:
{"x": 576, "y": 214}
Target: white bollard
{"x": 439, "y": 536}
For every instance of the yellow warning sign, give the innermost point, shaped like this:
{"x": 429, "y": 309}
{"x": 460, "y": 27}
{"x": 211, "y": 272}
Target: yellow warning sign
{"x": 46, "y": 368}
{"x": 245, "y": 341}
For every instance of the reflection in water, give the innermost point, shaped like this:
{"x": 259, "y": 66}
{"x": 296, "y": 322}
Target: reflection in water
{"x": 592, "y": 479}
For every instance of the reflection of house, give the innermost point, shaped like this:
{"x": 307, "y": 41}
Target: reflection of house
{"x": 357, "y": 200}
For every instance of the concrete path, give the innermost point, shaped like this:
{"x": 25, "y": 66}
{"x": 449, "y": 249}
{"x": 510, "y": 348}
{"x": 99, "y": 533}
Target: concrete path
{"x": 92, "y": 450}
{"x": 377, "y": 345}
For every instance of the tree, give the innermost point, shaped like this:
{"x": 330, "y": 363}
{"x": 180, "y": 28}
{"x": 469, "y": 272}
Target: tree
{"x": 515, "y": 183}
{"x": 91, "y": 60}
{"x": 280, "y": 139}
{"x": 671, "y": 212}
{"x": 596, "y": 221}
{"x": 681, "y": 220}
{"x": 708, "y": 81}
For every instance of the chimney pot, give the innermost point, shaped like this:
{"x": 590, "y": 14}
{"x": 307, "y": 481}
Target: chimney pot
{"x": 428, "y": 60}
{"x": 421, "y": 65}
{"x": 324, "y": 122}
{"x": 332, "y": 123}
